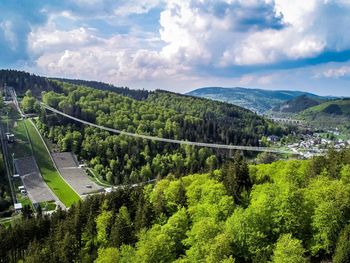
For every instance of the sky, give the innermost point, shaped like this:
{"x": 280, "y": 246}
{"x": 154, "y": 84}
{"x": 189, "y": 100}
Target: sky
{"x": 180, "y": 45}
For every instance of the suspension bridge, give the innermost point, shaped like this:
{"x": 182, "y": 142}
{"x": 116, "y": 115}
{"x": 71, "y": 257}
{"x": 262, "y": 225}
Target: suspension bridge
{"x": 174, "y": 141}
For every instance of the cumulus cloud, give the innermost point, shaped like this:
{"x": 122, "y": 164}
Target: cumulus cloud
{"x": 117, "y": 59}
{"x": 242, "y": 32}
{"x": 189, "y": 40}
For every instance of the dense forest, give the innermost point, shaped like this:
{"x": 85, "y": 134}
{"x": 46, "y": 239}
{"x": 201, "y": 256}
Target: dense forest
{"x": 286, "y": 211}
{"x": 125, "y": 91}
{"x": 120, "y": 159}
{"x": 23, "y": 81}
{"x": 5, "y": 193}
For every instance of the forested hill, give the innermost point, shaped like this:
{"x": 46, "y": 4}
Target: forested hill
{"x": 294, "y": 211}
{"x": 23, "y": 81}
{"x": 132, "y": 93}
{"x": 121, "y": 159}
{"x": 257, "y": 100}
{"x": 330, "y": 114}
{"x": 298, "y": 104}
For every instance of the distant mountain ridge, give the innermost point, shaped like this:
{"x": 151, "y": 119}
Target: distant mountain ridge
{"x": 257, "y": 100}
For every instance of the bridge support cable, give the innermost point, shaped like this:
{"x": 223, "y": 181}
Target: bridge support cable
{"x": 154, "y": 138}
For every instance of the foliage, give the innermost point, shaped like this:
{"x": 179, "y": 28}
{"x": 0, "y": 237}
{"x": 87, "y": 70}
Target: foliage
{"x": 288, "y": 250}
{"x": 22, "y": 81}
{"x": 122, "y": 159}
{"x": 342, "y": 250}
{"x": 291, "y": 215}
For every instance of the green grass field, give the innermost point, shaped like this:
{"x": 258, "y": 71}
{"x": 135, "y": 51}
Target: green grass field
{"x": 21, "y": 146}
{"x": 48, "y": 206}
{"x": 51, "y": 176}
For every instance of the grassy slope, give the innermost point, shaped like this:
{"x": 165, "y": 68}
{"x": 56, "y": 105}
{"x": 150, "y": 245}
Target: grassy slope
{"x": 21, "y": 147}
{"x": 319, "y": 117}
{"x": 51, "y": 176}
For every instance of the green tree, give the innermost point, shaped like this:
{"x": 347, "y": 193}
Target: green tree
{"x": 28, "y": 104}
{"x": 103, "y": 221}
{"x": 342, "y": 250}
{"x": 235, "y": 177}
{"x": 108, "y": 255}
{"x": 122, "y": 229}
{"x": 288, "y": 250}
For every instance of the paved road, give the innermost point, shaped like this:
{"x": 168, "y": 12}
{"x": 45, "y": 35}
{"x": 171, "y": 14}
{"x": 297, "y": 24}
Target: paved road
{"x": 7, "y": 161}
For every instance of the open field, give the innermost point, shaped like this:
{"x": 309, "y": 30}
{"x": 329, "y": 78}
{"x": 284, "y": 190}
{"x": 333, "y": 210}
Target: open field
{"x": 47, "y": 169}
{"x": 74, "y": 175}
{"x": 21, "y": 146}
{"x": 48, "y": 206}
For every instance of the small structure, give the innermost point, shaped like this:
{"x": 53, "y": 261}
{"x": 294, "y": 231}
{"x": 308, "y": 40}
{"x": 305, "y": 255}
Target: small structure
{"x": 108, "y": 190}
{"x": 10, "y": 137}
{"x": 15, "y": 175}
{"x": 273, "y": 138}
{"x": 18, "y": 207}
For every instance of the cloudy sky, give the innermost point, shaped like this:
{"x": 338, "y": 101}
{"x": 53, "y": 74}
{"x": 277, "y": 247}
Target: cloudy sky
{"x": 180, "y": 45}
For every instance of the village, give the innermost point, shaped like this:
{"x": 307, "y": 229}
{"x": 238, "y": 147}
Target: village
{"x": 312, "y": 143}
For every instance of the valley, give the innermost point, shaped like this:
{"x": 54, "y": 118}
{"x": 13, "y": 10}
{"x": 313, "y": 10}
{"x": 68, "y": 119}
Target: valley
{"x": 165, "y": 167}
{"x": 174, "y": 131}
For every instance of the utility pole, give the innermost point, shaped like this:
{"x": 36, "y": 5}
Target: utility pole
{"x": 13, "y": 163}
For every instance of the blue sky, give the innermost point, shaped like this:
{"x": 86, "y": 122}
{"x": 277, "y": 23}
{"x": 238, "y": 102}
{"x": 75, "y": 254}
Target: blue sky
{"x": 180, "y": 45}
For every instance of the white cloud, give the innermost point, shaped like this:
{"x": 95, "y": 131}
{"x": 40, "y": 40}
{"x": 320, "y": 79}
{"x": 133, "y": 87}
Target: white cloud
{"x": 48, "y": 39}
{"x": 336, "y": 72}
{"x": 196, "y": 39}
{"x": 136, "y": 7}
{"x": 271, "y": 46}
{"x": 288, "y": 30}
{"x": 81, "y": 53}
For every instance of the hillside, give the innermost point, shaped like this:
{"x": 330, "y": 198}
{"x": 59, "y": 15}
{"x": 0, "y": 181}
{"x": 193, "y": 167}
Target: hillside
{"x": 295, "y": 210}
{"x": 122, "y": 159}
{"x": 23, "y": 81}
{"x": 297, "y": 104}
{"x": 257, "y": 100}
{"x": 330, "y": 114}
{"x": 132, "y": 93}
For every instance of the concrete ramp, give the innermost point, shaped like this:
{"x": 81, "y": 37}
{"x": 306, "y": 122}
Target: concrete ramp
{"x": 68, "y": 167}
{"x": 37, "y": 189}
